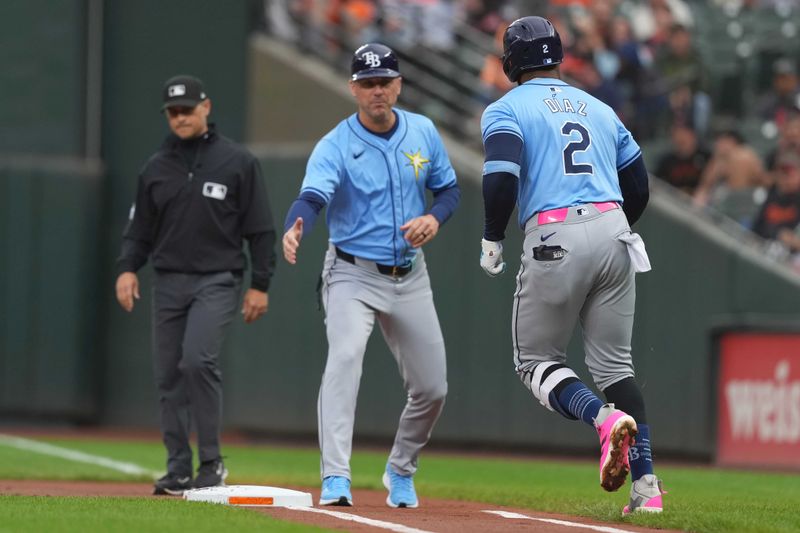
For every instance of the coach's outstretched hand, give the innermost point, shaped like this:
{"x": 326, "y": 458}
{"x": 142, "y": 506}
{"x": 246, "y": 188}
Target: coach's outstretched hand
{"x": 492, "y": 257}
{"x": 291, "y": 241}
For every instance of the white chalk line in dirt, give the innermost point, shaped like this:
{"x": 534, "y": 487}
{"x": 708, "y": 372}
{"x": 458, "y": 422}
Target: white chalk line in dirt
{"x": 399, "y": 528}
{"x": 604, "y": 529}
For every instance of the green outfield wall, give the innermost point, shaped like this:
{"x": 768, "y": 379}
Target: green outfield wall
{"x": 49, "y": 220}
{"x": 82, "y": 81}
{"x": 49, "y": 227}
{"x": 43, "y": 78}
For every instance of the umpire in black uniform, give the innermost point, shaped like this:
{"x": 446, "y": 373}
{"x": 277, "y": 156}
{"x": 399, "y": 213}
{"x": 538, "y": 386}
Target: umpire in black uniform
{"x": 198, "y": 196}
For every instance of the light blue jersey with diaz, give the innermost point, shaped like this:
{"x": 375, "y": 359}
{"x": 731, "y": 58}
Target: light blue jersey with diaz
{"x": 372, "y": 185}
{"x": 573, "y": 145}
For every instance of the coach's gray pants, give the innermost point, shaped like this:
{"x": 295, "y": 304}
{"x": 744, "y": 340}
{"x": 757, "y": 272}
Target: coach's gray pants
{"x": 353, "y": 297}
{"x": 191, "y": 313}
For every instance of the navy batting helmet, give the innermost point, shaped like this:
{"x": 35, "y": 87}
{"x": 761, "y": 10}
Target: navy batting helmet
{"x": 530, "y": 43}
{"x": 374, "y": 61}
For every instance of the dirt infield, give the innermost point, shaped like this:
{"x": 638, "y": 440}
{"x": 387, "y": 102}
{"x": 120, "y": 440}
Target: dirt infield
{"x": 440, "y": 516}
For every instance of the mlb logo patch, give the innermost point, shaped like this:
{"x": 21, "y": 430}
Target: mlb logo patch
{"x": 176, "y": 90}
{"x": 213, "y": 190}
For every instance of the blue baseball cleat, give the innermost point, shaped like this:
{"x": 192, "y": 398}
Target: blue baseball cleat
{"x": 336, "y": 491}
{"x": 401, "y": 489}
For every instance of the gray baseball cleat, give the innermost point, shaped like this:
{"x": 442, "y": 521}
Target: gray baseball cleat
{"x": 645, "y": 496}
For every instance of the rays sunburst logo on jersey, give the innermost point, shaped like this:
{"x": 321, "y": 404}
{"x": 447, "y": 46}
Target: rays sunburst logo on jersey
{"x": 416, "y": 160}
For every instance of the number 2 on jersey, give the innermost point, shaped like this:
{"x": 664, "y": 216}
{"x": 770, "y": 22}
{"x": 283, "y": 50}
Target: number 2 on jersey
{"x": 580, "y": 145}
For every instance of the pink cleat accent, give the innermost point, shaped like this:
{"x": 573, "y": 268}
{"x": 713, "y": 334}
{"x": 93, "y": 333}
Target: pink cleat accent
{"x": 645, "y": 496}
{"x": 617, "y": 432}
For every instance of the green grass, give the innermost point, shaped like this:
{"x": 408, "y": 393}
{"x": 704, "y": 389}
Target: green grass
{"x": 41, "y": 513}
{"x": 699, "y": 499}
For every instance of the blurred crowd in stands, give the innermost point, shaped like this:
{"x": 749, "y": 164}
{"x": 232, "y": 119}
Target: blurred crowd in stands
{"x": 643, "y": 58}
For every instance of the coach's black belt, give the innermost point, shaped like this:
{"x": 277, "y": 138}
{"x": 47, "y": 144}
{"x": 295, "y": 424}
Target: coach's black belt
{"x": 389, "y": 270}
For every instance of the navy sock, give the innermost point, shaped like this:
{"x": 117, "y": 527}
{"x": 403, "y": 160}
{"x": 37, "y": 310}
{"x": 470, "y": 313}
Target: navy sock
{"x": 580, "y": 402}
{"x": 640, "y": 455}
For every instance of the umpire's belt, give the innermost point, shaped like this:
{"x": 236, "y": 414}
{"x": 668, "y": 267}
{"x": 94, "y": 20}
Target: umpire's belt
{"x": 389, "y": 270}
{"x": 560, "y": 214}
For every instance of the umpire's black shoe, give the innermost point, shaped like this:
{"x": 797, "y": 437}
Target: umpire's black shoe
{"x": 172, "y": 484}
{"x": 211, "y": 474}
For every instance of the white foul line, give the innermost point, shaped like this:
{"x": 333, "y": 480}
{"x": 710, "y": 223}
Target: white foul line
{"x": 604, "y": 529}
{"x": 400, "y": 528}
{"x": 29, "y": 445}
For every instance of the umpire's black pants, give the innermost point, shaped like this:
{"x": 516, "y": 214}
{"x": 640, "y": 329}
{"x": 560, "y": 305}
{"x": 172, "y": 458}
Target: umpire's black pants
{"x": 191, "y": 313}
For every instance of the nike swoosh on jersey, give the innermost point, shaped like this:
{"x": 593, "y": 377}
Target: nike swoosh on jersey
{"x": 356, "y": 156}
{"x": 545, "y": 237}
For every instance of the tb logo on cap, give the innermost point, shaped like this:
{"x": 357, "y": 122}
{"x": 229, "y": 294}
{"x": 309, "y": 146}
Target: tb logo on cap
{"x": 372, "y": 59}
{"x": 176, "y": 90}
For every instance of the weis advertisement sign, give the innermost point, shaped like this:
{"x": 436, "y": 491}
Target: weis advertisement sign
{"x": 759, "y": 400}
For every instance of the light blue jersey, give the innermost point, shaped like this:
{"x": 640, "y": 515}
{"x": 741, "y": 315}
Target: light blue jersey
{"x": 372, "y": 185}
{"x": 573, "y": 145}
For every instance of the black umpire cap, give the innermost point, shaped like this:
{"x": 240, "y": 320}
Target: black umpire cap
{"x": 183, "y": 91}
{"x": 374, "y": 61}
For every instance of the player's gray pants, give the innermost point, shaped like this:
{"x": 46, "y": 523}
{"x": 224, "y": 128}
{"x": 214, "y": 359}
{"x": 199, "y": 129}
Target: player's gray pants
{"x": 594, "y": 283}
{"x": 191, "y": 313}
{"x": 353, "y": 297}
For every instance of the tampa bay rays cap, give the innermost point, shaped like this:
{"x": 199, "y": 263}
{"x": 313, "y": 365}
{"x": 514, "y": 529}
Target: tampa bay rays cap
{"x": 374, "y": 60}
{"x": 183, "y": 91}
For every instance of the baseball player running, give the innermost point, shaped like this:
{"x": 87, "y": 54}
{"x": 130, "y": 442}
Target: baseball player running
{"x": 569, "y": 163}
{"x": 372, "y": 171}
